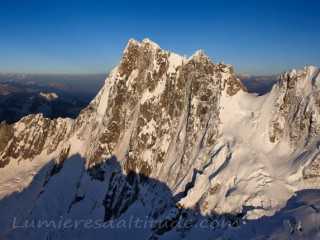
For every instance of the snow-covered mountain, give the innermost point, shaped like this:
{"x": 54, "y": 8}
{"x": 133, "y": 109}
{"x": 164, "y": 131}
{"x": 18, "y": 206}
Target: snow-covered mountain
{"x": 169, "y": 140}
{"x": 48, "y": 96}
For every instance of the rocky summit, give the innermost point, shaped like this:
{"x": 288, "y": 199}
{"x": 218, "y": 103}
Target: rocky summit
{"x": 175, "y": 142}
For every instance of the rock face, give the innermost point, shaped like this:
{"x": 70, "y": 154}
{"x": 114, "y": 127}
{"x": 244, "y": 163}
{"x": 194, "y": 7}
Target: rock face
{"x": 297, "y": 106}
{"x": 171, "y": 140}
{"x": 152, "y": 101}
{"x": 30, "y": 137}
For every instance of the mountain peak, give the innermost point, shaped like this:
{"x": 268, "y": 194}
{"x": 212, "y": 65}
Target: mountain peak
{"x": 158, "y": 87}
{"x": 149, "y": 42}
{"x": 131, "y": 43}
{"x": 48, "y": 96}
{"x": 311, "y": 71}
{"x": 145, "y": 42}
{"x": 199, "y": 54}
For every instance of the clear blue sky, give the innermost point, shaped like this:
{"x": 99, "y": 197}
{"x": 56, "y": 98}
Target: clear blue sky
{"x": 257, "y": 37}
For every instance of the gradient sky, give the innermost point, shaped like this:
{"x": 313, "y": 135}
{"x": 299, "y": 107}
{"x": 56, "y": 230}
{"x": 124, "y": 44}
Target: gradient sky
{"x": 256, "y": 37}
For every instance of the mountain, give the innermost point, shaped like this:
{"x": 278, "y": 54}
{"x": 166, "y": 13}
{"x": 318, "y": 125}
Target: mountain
{"x": 171, "y": 147}
{"x": 6, "y": 89}
{"x": 14, "y": 106}
{"x": 82, "y": 86}
{"x": 49, "y": 96}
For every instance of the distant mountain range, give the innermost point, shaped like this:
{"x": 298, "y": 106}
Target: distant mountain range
{"x": 52, "y": 95}
{"x": 16, "y": 105}
{"x": 83, "y": 86}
